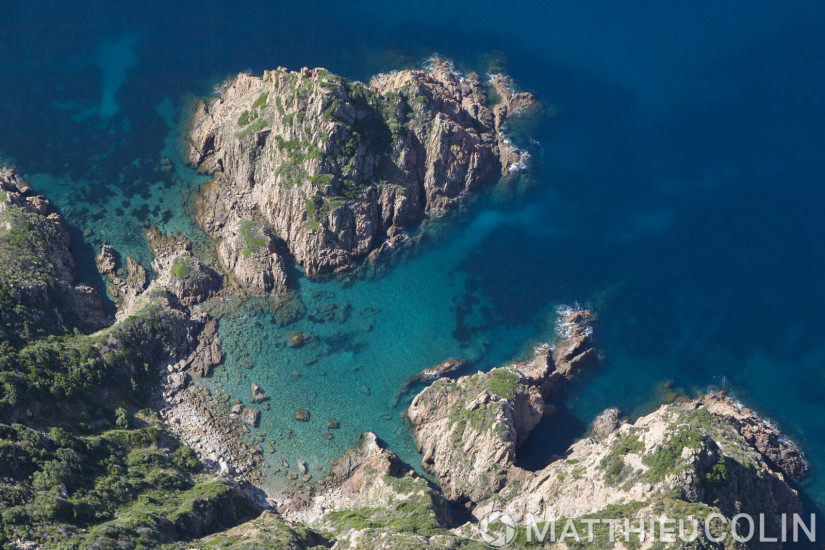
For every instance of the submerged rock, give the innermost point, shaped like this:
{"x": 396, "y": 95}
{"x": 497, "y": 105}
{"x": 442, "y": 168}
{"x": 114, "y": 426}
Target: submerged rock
{"x": 258, "y": 395}
{"x": 302, "y": 415}
{"x": 332, "y": 424}
{"x": 295, "y": 339}
{"x": 250, "y": 416}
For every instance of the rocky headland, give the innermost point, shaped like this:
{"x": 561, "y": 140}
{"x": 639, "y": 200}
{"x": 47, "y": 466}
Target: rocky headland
{"x": 468, "y": 429}
{"x": 309, "y": 165}
{"x": 39, "y": 291}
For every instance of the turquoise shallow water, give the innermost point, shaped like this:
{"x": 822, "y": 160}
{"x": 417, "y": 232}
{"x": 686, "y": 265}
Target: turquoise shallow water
{"x": 361, "y": 342}
{"x": 678, "y": 190}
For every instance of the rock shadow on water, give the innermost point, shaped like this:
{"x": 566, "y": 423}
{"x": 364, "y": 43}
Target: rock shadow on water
{"x": 550, "y": 440}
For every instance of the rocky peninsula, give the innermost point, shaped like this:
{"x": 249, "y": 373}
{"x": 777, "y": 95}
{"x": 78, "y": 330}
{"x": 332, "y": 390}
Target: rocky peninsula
{"x": 310, "y": 165}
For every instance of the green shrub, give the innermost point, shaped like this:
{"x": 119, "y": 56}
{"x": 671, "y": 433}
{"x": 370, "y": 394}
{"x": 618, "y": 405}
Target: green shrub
{"x": 122, "y": 418}
{"x": 614, "y": 466}
{"x": 260, "y": 103}
{"x": 186, "y": 459}
{"x": 180, "y": 266}
{"x": 502, "y": 383}
{"x": 663, "y": 461}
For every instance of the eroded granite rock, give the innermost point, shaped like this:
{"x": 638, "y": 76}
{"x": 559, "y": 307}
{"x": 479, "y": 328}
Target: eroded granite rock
{"x": 179, "y": 270}
{"x": 371, "y": 500}
{"x": 468, "y": 429}
{"x": 605, "y": 424}
{"x": 780, "y": 453}
{"x": 37, "y": 269}
{"x": 680, "y": 460}
{"x": 309, "y": 164}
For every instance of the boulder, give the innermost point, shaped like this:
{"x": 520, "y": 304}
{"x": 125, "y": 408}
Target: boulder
{"x": 106, "y": 261}
{"x": 251, "y": 416}
{"x": 605, "y": 424}
{"x": 258, "y": 395}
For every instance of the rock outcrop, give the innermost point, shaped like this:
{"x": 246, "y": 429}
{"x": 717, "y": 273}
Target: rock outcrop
{"x": 780, "y": 453}
{"x": 178, "y": 270}
{"x": 39, "y": 291}
{"x": 309, "y": 164}
{"x": 687, "y": 459}
{"x": 605, "y": 424}
{"x": 428, "y": 375}
{"x": 372, "y": 501}
{"x": 469, "y": 429}
{"x": 258, "y": 394}
{"x": 681, "y": 460}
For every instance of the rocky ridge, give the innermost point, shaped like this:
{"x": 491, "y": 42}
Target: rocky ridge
{"x": 681, "y": 453}
{"x": 39, "y": 291}
{"x": 689, "y": 458}
{"x": 327, "y": 170}
{"x": 468, "y": 429}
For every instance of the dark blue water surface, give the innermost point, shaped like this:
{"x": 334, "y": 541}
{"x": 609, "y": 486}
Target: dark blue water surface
{"x": 678, "y": 188}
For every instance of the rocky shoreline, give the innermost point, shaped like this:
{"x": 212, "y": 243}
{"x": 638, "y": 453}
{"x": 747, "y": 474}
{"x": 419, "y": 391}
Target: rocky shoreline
{"x": 309, "y": 167}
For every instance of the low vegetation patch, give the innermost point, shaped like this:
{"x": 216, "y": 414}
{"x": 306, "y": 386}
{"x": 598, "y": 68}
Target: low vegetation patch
{"x": 614, "y": 466}
{"x": 180, "y": 266}
{"x": 253, "y": 238}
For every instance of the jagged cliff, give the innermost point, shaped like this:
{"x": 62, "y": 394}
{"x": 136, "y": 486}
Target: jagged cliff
{"x": 327, "y": 170}
{"x": 680, "y": 462}
{"x": 39, "y": 293}
{"x": 688, "y": 459}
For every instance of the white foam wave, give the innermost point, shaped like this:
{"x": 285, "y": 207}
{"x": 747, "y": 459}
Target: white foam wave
{"x": 520, "y": 165}
{"x": 383, "y": 74}
{"x": 564, "y": 329}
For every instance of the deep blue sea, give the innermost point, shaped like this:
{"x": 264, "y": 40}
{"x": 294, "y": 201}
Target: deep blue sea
{"x": 678, "y": 191}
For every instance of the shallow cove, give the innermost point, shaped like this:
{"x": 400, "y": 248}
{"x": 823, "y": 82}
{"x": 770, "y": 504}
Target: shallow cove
{"x": 359, "y": 342}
